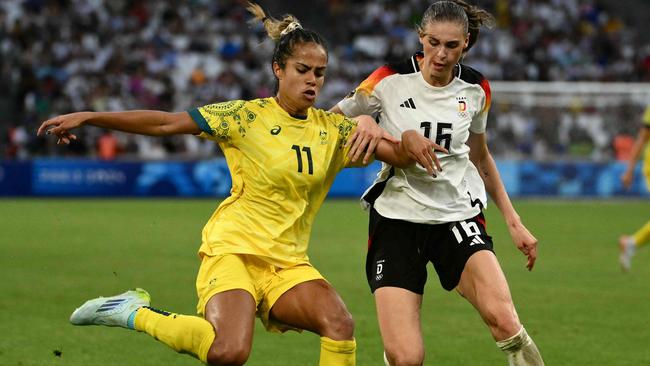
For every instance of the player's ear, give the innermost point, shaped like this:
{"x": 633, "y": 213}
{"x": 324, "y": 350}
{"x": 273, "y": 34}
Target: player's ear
{"x": 278, "y": 71}
{"x": 421, "y": 37}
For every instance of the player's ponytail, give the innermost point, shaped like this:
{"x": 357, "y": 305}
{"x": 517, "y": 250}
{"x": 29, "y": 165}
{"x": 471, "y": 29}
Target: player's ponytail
{"x": 470, "y": 16}
{"x": 287, "y": 33}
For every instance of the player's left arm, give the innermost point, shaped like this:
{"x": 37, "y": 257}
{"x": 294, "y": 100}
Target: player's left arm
{"x": 482, "y": 159}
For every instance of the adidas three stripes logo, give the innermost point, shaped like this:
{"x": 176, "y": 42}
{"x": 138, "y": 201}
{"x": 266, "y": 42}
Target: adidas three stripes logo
{"x": 110, "y": 305}
{"x": 408, "y": 104}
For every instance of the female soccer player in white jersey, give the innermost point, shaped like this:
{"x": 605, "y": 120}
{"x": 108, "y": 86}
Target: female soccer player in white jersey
{"x": 283, "y": 155}
{"x": 434, "y": 215}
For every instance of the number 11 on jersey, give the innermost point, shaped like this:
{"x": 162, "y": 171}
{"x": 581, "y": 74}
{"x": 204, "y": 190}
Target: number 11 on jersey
{"x": 307, "y": 151}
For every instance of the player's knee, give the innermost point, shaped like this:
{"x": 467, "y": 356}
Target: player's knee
{"x": 337, "y": 325}
{"x": 504, "y": 323}
{"x": 228, "y": 353}
{"x": 405, "y": 356}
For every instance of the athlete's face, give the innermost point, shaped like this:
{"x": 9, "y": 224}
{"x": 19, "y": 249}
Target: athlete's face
{"x": 443, "y": 44}
{"x": 302, "y": 78}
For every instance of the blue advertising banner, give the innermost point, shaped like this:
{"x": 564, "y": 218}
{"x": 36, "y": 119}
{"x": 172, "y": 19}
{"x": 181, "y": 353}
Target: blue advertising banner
{"x": 15, "y": 178}
{"x": 83, "y": 178}
{"x": 97, "y": 178}
{"x": 211, "y": 178}
{"x": 568, "y": 179}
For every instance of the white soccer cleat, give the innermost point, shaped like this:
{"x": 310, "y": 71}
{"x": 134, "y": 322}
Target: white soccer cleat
{"x": 626, "y": 248}
{"x": 111, "y": 311}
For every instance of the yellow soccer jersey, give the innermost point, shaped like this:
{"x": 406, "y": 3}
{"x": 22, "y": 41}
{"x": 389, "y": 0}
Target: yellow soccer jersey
{"x": 282, "y": 168}
{"x": 646, "y": 159}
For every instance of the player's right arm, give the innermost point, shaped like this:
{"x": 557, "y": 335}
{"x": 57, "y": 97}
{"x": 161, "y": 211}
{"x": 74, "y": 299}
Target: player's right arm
{"x": 641, "y": 141}
{"x": 422, "y": 150}
{"x": 143, "y": 122}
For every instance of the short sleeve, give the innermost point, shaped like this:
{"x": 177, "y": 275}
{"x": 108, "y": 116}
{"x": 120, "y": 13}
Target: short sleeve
{"x": 359, "y": 103}
{"x": 646, "y": 117}
{"x": 222, "y": 121}
{"x": 364, "y": 99}
{"x": 479, "y": 120}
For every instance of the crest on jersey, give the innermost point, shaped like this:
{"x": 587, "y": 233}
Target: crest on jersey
{"x": 323, "y": 137}
{"x": 462, "y": 107}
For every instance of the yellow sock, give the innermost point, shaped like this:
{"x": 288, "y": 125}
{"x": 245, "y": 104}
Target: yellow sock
{"x": 337, "y": 353}
{"x": 642, "y": 236}
{"x": 185, "y": 334}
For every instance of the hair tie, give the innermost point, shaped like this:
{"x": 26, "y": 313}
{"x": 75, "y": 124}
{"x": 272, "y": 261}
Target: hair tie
{"x": 290, "y": 28}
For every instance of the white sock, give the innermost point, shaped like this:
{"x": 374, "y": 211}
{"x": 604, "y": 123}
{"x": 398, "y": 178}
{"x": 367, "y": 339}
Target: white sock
{"x": 630, "y": 245}
{"x": 521, "y": 350}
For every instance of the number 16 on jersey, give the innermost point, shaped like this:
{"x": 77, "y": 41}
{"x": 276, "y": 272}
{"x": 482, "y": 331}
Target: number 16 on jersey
{"x": 443, "y": 133}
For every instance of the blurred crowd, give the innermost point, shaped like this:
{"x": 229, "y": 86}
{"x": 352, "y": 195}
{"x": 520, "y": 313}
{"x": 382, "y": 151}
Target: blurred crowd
{"x": 576, "y": 132}
{"x": 70, "y": 55}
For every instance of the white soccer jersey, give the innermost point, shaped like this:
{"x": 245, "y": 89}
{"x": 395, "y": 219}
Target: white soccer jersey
{"x": 402, "y": 100}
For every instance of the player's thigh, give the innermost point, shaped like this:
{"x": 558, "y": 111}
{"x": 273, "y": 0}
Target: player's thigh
{"x": 452, "y": 245}
{"x": 395, "y": 255}
{"x": 482, "y": 280}
{"x": 314, "y": 306}
{"x": 232, "y": 314}
{"x": 484, "y": 285}
{"x": 227, "y": 299}
{"x": 398, "y": 313}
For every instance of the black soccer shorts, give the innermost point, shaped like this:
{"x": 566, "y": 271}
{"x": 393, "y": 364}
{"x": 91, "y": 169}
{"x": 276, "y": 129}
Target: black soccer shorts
{"x": 398, "y": 251}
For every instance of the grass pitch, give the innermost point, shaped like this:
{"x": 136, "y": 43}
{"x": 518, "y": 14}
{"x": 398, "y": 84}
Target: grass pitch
{"x": 55, "y": 254}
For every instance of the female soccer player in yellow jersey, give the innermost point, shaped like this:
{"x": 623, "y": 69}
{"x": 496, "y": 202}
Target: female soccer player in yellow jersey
{"x": 283, "y": 155}
{"x": 417, "y": 217}
{"x": 629, "y": 243}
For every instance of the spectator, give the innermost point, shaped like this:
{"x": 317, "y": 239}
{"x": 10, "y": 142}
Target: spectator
{"x": 107, "y": 146}
{"x": 114, "y": 55}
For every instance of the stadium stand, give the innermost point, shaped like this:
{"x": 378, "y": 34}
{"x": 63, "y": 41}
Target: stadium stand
{"x": 63, "y": 56}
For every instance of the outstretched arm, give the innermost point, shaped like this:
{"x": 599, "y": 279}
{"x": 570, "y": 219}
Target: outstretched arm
{"x": 641, "y": 140}
{"x": 152, "y": 123}
{"x": 482, "y": 159}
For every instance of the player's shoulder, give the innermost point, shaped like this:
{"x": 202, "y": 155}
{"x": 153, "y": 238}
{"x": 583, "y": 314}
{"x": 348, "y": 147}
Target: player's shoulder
{"x": 403, "y": 67}
{"x": 408, "y": 66}
{"x": 470, "y": 75}
{"x": 333, "y": 124}
{"x": 234, "y": 107}
{"x": 474, "y": 77}
{"x": 330, "y": 118}
{"x": 254, "y": 105}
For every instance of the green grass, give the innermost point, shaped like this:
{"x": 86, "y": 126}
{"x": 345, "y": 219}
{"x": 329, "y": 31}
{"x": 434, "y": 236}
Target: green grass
{"x": 54, "y": 254}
